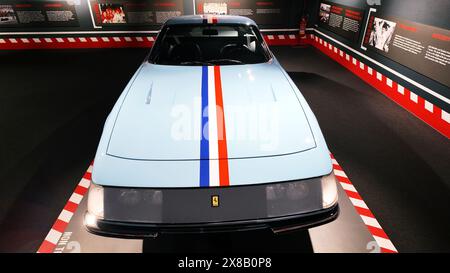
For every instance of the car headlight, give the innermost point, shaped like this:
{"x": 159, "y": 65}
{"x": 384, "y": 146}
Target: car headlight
{"x": 129, "y": 197}
{"x": 291, "y": 191}
{"x": 95, "y": 205}
{"x": 134, "y": 197}
{"x": 329, "y": 190}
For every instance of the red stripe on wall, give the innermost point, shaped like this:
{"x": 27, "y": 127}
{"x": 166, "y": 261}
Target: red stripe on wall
{"x": 74, "y": 42}
{"x": 399, "y": 94}
{"x": 8, "y": 43}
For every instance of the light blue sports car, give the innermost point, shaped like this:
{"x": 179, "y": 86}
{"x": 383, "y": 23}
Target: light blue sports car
{"x": 210, "y": 135}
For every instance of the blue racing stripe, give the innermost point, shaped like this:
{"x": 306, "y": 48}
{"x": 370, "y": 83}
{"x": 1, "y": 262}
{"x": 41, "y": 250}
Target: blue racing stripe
{"x": 204, "y": 142}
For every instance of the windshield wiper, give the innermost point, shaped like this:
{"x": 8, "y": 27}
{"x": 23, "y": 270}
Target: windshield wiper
{"x": 195, "y": 63}
{"x": 226, "y": 61}
{"x": 212, "y": 62}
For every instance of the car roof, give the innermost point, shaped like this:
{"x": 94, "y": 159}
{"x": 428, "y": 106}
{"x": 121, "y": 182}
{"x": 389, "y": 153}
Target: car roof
{"x": 207, "y": 18}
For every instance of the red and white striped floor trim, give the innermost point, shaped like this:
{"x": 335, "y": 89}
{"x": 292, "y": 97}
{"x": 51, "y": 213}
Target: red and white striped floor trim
{"x": 386, "y": 246}
{"x": 418, "y": 106}
{"x": 75, "y": 42}
{"x": 282, "y": 39}
{"x": 58, "y": 228}
{"x": 110, "y": 42}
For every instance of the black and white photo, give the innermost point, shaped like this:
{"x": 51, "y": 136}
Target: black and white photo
{"x": 7, "y": 15}
{"x": 324, "y": 14}
{"x": 381, "y": 35}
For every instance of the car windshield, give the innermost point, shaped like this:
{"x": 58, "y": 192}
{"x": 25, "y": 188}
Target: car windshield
{"x": 209, "y": 45}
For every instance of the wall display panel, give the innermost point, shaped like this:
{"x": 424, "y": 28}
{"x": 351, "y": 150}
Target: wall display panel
{"x": 343, "y": 20}
{"x": 38, "y": 14}
{"x": 423, "y": 48}
{"x": 274, "y": 13}
{"x": 116, "y": 13}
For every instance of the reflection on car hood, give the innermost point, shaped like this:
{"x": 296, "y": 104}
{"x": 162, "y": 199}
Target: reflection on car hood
{"x": 161, "y": 117}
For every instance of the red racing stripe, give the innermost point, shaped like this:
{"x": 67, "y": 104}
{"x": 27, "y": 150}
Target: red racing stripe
{"x": 222, "y": 134}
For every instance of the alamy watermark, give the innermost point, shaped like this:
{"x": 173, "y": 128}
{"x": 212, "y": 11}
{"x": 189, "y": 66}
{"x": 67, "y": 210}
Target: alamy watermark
{"x": 374, "y": 2}
{"x": 259, "y": 124}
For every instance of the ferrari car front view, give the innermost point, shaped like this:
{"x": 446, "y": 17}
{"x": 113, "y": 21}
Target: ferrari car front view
{"x": 210, "y": 135}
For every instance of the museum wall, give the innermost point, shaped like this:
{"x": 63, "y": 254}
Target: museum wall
{"x": 411, "y": 37}
{"x": 110, "y": 15}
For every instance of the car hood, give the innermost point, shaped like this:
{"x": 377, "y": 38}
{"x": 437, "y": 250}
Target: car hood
{"x": 161, "y": 117}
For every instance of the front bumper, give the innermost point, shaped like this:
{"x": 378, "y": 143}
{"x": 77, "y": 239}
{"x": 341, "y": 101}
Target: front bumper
{"x": 145, "y": 230}
{"x": 145, "y": 212}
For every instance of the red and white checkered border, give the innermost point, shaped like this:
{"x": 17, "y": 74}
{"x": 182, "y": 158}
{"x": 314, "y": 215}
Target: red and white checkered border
{"x": 386, "y": 246}
{"x": 282, "y": 39}
{"x": 418, "y": 106}
{"x": 61, "y": 223}
{"x": 75, "y": 42}
{"x": 110, "y": 42}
